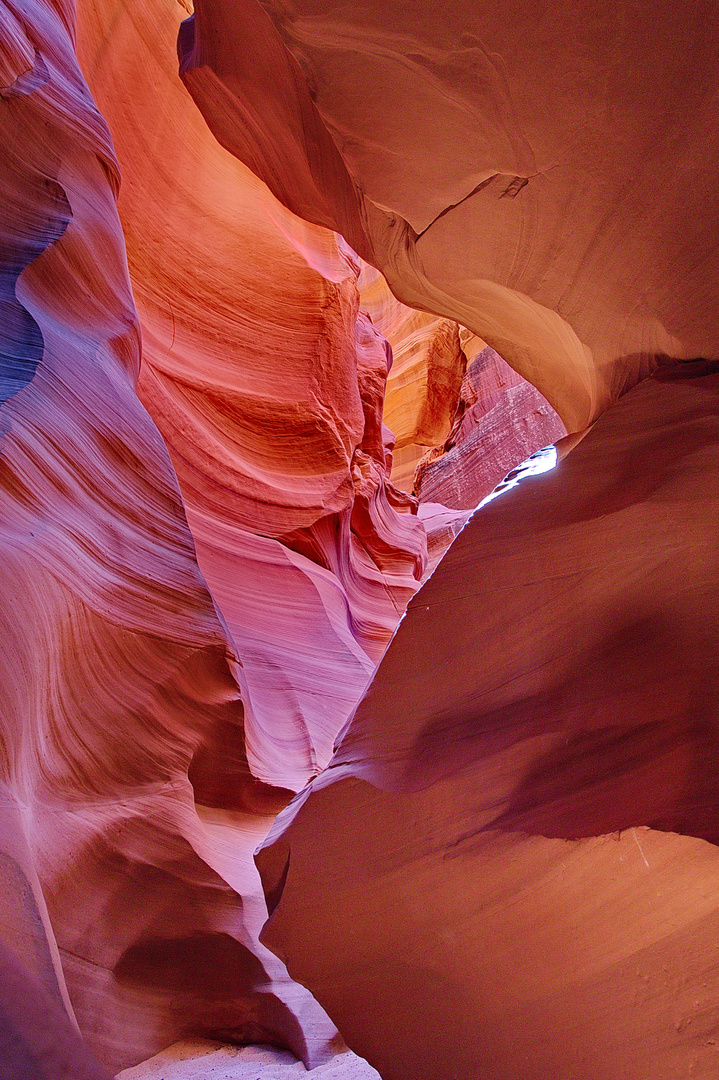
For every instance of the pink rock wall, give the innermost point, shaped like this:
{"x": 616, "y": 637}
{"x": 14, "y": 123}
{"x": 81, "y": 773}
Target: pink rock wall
{"x": 192, "y": 610}
{"x": 36, "y": 1038}
{"x": 522, "y": 811}
{"x": 267, "y": 384}
{"x": 530, "y": 193}
{"x": 500, "y": 420}
{"x": 116, "y": 677}
{"x": 144, "y": 729}
{"x": 425, "y": 378}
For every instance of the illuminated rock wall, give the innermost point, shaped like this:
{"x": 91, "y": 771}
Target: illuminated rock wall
{"x": 204, "y": 556}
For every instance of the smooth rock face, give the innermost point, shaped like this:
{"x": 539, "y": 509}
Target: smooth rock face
{"x": 522, "y": 812}
{"x": 509, "y": 867}
{"x": 564, "y": 213}
{"x": 120, "y": 709}
{"x": 151, "y": 731}
{"x": 37, "y": 1040}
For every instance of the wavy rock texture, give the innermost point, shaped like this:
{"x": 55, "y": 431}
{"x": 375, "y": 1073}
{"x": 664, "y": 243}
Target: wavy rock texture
{"x": 500, "y": 420}
{"x": 135, "y": 784}
{"x": 117, "y": 693}
{"x": 528, "y": 193}
{"x": 37, "y": 1041}
{"x": 481, "y": 420}
{"x": 267, "y": 384}
{"x": 525, "y": 818}
{"x": 424, "y": 382}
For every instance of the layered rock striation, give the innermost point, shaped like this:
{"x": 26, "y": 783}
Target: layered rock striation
{"x": 522, "y": 811}
{"x": 461, "y": 417}
{"x": 530, "y": 192}
{"x": 152, "y": 732}
{"x": 423, "y": 387}
{"x": 121, "y": 710}
{"x": 500, "y": 420}
{"x": 267, "y": 383}
{"x": 204, "y": 554}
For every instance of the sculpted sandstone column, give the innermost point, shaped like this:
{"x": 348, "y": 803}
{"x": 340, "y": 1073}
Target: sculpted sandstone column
{"x": 267, "y": 383}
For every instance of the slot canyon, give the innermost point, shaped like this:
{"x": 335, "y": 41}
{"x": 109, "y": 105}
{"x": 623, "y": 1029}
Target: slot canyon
{"x": 359, "y": 457}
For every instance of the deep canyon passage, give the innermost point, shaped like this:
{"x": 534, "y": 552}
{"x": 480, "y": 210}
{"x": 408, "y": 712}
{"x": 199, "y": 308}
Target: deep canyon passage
{"x": 306, "y": 763}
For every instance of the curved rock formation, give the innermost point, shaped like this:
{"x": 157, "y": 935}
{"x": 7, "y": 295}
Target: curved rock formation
{"x": 196, "y": 593}
{"x": 136, "y": 854}
{"x": 267, "y": 384}
{"x": 500, "y": 420}
{"x": 531, "y": 192}
{"x": 424, "y": 382}
{"x": 119, "y": 704}
{"x": 522, "y": 812}
{"x": 194, "y": 1058}
{"x": 37, "y": 1041}
{"x": 452, "y": 404}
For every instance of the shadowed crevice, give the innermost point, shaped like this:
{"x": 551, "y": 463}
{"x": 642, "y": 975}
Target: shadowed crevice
{"x": 35, "y": 220}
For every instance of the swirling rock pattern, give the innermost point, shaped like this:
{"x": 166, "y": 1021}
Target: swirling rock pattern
{"x": 500, "y": 420}
{"x": 153, "y": 727}
{"x": 267, "y": 384}
{"x": 424, "y": 382}
{"x": 528, "y": 193}
{"x": 522, "y": 812}
{"x": 137, "y": 783}
{"x": 122, "y": 719}
{"x": 457, "y": 432}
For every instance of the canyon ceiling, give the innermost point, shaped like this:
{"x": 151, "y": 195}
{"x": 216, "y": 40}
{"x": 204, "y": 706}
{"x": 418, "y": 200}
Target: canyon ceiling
{"x": 296, "y": 747}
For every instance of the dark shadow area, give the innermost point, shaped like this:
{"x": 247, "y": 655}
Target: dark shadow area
{"x": 37, "y": 1041}
{"x": 212, "y": 966}
{"x": 39, "y": 219}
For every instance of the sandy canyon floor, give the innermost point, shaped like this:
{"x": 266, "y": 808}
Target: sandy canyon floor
{"x": 200, "y": 1059}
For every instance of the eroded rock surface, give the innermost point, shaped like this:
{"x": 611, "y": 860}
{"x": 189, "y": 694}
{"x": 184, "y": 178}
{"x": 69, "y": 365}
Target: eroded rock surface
{"x": 521, "y": 815}
{"x": 522, "y": 812}
{"x": 37, "y": 1038}
{"x": 563, "y": 213}
{"x": 153, "y": 731}
{"x": 120, "y": 708}
{"x": 267, "y": 383}
{"x": 424, "y": 382}
{"x": 461, "y": 417}
{"x": 500, "y": 420}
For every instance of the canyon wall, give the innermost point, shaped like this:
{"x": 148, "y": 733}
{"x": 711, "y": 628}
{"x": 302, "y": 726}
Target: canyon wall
{"x": 137, "y": 912}
{"x": 522, "y": 812}
{"x": 561, "y": 212}
{"x": 452, "y": 400}
{"x": 267, "y": 384}
{"x": 152, "y": 731}
{"x": 205, "y": 554}
{"x": 500, "y": 420}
